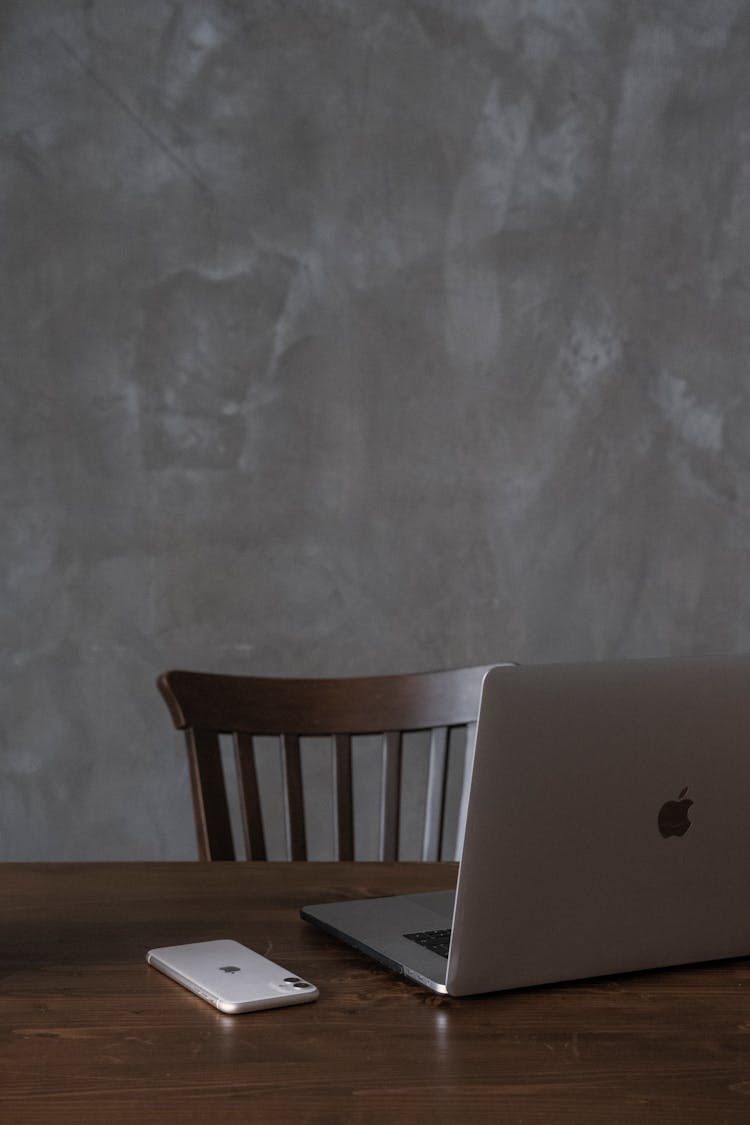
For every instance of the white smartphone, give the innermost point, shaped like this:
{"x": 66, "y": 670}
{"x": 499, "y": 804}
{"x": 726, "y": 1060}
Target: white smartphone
{"x": 231, "y": 977}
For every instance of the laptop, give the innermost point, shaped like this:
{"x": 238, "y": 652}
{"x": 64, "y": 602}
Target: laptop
{"x": 607, "y": 831}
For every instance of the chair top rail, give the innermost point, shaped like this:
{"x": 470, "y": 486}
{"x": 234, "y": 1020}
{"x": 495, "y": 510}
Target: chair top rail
{"x": 351, "y": 705}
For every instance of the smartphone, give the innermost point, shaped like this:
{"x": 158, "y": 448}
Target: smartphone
{"x": 231, "y": 977}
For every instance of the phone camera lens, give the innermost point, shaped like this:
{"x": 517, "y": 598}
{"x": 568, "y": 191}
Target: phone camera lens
{"x": 291, "y": 980}
{"x": 301, "y": 984}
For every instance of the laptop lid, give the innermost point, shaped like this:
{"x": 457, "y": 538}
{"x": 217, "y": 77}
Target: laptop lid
{"x": 607, "y": 826}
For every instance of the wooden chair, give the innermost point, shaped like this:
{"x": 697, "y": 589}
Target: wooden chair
{"x": 205, "y": 705}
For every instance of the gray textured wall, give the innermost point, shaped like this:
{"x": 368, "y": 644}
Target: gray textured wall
{"x": 355, "y": 336}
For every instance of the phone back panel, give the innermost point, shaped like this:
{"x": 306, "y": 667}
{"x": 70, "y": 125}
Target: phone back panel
{"x": 231, "y": 976}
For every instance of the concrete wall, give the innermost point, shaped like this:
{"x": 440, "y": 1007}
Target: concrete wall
{"x": 345, "y": 336}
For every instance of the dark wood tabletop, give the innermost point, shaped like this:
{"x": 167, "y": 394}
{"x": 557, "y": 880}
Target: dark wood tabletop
{"x": 91, "y": 1034}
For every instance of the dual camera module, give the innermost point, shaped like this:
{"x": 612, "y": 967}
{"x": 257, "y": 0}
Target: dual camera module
{"x": 296, "y": 982}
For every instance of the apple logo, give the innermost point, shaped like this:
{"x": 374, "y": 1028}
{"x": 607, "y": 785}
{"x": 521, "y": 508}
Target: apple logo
{"x": 673, "y": 816}
{"x": 229, "y": 968}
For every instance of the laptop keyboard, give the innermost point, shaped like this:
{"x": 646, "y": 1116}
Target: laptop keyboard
{"x": 436, "y": 940}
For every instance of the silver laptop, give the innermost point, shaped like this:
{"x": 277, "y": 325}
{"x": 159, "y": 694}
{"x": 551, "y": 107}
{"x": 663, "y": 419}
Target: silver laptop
{"x": 607, "y": 831}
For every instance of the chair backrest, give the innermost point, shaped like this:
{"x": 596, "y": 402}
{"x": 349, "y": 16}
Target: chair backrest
{"x": 206, "y": 705}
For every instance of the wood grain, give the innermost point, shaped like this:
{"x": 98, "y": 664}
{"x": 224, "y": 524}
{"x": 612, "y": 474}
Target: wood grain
{"x": 91, "y": 1034}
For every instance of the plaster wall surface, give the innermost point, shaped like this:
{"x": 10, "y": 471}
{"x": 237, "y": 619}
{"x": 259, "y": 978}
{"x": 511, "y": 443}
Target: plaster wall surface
{"x": 344, "y": 337}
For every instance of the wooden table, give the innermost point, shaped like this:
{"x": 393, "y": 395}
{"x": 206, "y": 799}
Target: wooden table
{"x": 91, "y": 1034}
